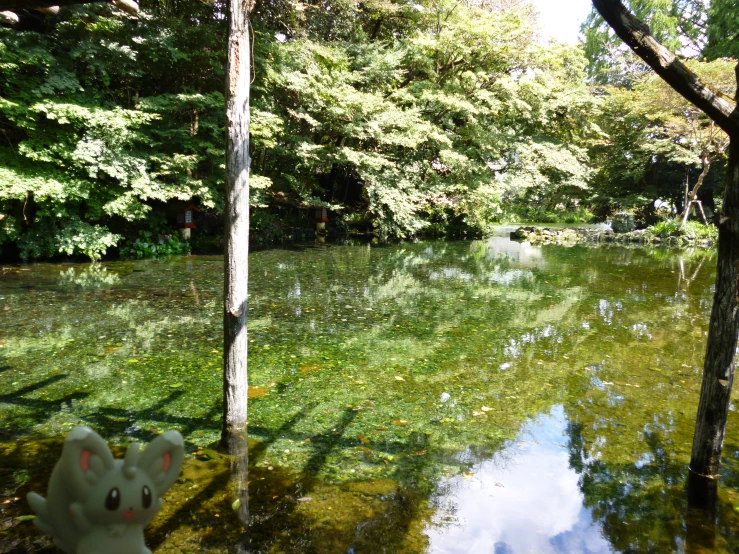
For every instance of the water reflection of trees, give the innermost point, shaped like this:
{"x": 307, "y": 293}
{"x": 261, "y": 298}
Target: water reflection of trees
{"x": 512, "y": 331}
{"x": 630, "y": 432}
{"x": 642, "y": 505}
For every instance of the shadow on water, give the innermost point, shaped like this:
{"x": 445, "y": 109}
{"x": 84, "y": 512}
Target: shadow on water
{"x": 37, "y": 408}
{"x": 291, "y": 512}
{"x": 120, "y": 422}
{"x": 311, "y": 516}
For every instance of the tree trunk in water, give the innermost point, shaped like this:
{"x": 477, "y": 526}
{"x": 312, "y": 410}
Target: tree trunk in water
{"x": 236, "y": 266}
{"x": 718, "y": 368}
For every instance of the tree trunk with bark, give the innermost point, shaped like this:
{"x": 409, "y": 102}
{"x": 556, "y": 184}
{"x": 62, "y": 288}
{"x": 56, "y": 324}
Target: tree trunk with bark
{"x": 236, "y": 263}
{"x": 718, "y": 368}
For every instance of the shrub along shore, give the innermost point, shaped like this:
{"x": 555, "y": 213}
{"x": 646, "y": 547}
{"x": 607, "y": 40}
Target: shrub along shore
{"x": 653, "y": 236}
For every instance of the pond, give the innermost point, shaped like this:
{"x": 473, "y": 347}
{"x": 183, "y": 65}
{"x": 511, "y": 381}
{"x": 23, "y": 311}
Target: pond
{"x": 445, "y": 397}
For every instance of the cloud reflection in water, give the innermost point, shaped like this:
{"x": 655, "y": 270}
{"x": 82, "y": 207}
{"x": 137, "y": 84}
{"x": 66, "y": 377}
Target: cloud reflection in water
{"x": 538, "y": 509}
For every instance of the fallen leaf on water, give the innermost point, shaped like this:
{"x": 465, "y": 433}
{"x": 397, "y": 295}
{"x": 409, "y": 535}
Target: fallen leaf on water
{"x": 257, "y": 392}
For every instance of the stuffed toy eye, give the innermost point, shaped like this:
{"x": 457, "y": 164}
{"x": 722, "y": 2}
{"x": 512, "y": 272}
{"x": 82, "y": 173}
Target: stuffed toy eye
{"x": 113, "y": 500}
{"x": 146, "y": 497}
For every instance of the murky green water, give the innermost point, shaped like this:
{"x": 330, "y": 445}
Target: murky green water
{"x": 434, "y": 397}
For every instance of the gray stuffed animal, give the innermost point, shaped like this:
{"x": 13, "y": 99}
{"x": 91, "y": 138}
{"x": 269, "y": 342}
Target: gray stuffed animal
{"x": 97, "y": 504}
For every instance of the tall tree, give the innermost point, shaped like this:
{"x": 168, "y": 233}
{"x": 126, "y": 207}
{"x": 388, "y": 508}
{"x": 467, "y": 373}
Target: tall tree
{"x": 718, "y": 370}
{"x": 236, "y": 274}
{"x": 722, "y": 29}
{"x": 678, "y": 24}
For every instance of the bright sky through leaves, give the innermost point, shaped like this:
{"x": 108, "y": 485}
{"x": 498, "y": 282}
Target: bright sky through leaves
{"x": 562, "y": 19}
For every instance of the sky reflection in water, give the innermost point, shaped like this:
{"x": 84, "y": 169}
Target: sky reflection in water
{"x": 526, "y": 498}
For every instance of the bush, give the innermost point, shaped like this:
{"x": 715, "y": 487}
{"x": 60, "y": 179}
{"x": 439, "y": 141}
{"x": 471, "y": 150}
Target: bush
{"x": 540, "y": 215}
{"x": 691, "y": 229}
{"x": 146, "y": 246}
{"x": 48, "y": 238}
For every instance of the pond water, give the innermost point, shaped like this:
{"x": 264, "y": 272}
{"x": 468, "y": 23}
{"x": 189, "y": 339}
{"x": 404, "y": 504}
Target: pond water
{"x": 440, "y": 397}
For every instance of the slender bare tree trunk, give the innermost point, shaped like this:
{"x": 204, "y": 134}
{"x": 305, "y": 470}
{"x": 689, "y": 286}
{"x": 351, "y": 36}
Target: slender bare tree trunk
{"x": 705, "y": 158}
{"x": 236, "y": 270}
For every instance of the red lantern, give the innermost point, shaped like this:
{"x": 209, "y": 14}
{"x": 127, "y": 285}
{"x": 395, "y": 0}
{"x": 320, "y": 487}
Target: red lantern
{"x": 321, "y": 215}
{"x": 185, "y": 217}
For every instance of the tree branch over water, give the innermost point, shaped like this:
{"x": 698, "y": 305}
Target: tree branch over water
{"x": 637, "y": 35}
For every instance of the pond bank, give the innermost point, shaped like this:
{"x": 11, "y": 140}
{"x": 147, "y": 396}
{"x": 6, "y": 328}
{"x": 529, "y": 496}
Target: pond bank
{"x": 572, "y": 235}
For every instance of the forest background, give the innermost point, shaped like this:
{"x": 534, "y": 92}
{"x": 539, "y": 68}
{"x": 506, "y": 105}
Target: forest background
{"x": 432, "y": 118}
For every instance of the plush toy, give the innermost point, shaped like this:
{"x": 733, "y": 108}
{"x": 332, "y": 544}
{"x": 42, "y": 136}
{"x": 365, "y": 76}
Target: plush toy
{"x": 97, "y": 504}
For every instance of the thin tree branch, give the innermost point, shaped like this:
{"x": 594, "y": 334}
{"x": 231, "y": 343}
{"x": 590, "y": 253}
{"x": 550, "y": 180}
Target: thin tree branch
{"x": 16, "y": 5}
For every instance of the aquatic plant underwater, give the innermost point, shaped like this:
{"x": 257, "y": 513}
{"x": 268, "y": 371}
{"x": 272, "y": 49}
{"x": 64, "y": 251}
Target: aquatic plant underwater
{"x": 393, "y": 390}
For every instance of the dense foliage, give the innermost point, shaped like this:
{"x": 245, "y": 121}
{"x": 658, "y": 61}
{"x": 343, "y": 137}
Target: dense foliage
{"x": 105, "y": 118}
{"x": 402, "y": 118}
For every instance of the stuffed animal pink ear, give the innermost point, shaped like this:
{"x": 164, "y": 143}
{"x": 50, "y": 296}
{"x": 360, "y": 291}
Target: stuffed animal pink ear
{"x": 86, "y": 458}
{"x": 162, "y": 460}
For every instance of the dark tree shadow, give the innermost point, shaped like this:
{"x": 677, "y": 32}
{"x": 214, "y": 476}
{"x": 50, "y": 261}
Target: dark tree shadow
{"x": 36, "y": 408}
